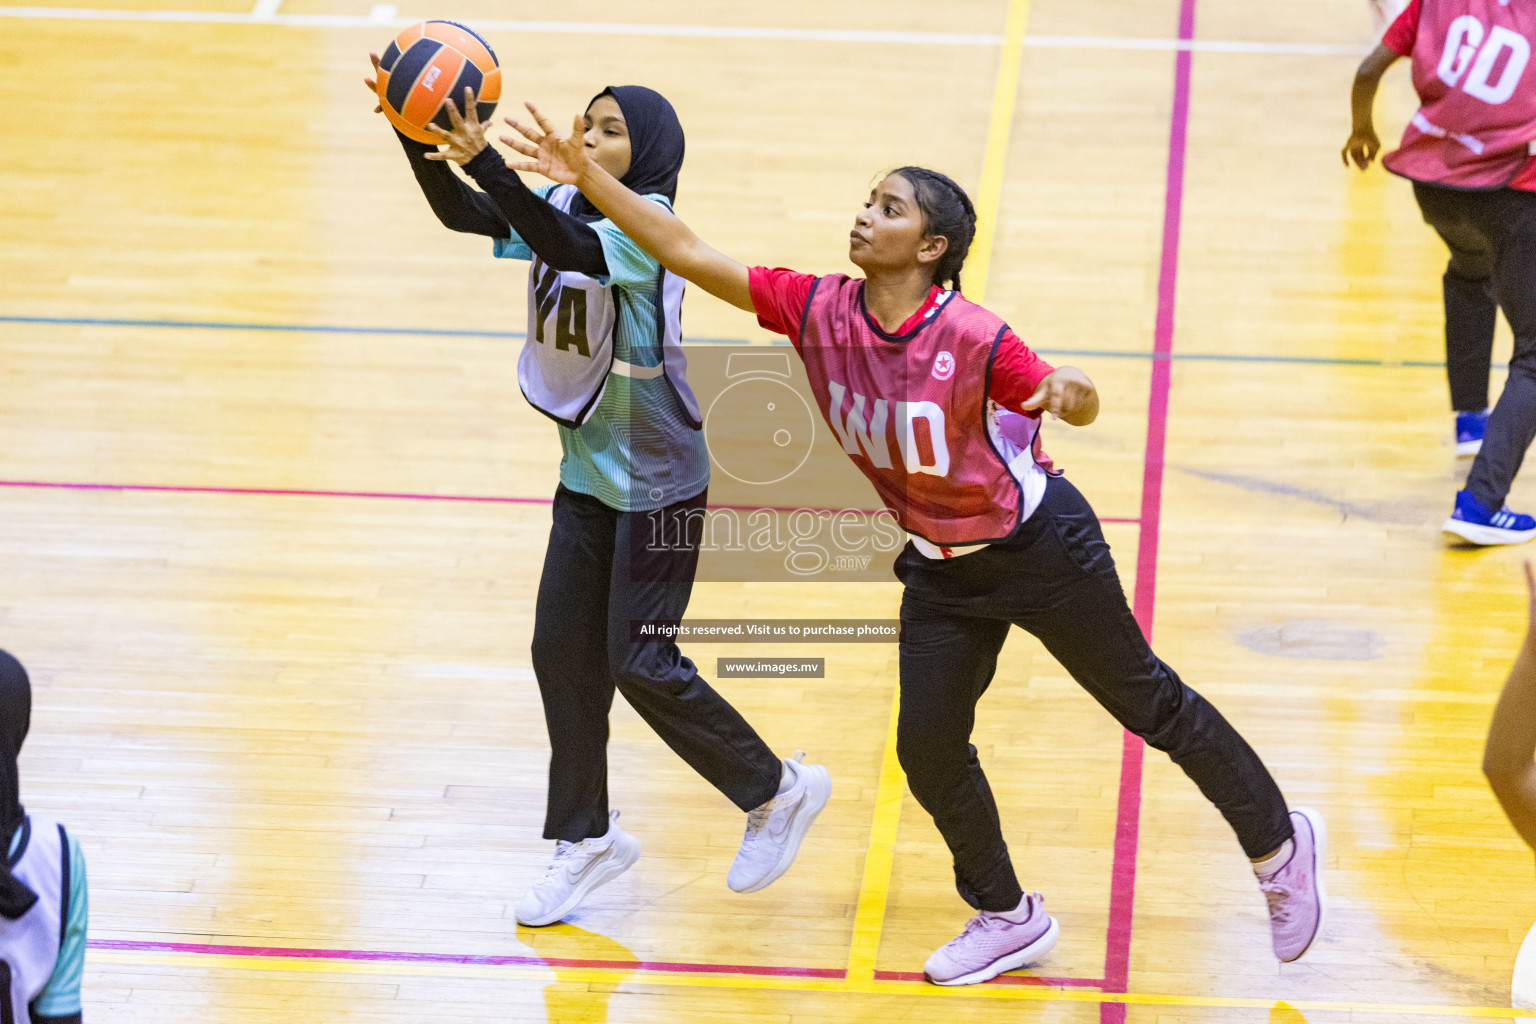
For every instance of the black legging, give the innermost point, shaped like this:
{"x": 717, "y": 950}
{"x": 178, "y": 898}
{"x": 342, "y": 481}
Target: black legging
{"x": 1054, "y": 578}
{"x": 600, "y": 573}
{"x": 1492, "y": 238}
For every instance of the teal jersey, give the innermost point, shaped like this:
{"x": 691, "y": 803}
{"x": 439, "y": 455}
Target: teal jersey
{"x": 638, "y": 450}
{"x": 61, "y": 996}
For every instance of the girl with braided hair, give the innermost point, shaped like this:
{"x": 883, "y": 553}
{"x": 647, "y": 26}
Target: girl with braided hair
{"x": 938, "y": 403}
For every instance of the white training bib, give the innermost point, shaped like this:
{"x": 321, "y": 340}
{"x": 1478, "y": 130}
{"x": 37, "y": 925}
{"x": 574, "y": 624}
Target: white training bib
{"x": 563, "y": 368}
{"x": 1522, "y": 994}
{"x": 569, "y": 353}
{"x": 29, "y": 945}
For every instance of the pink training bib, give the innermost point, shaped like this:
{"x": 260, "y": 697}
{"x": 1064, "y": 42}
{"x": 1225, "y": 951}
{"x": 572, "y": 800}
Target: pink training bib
{"x": 1471, "y": 68}
{"x": 913, "y": 412}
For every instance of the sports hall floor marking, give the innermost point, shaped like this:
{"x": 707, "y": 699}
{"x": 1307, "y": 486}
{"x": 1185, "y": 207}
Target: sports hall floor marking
{"x": 1122, "y": 896}
{"x": 875, "y": 882}
{"x": 484, "y": 499}
{"x": 464, "y": 959}
{"x": 374, "y": 19}
{"x": 1005, "y": 97}
{"x": 626, "y": 976}
{"x": 440, "y": 332}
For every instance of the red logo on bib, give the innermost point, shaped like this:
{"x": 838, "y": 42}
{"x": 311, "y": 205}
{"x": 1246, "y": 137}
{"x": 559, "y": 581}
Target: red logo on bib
{"x": 943, "y": 366}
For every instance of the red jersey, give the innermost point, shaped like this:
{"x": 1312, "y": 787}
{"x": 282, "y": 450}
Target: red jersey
{"x": 1471, "y": 69}
{"x": 919, "y": 412}
{"x": 779, "y": 297}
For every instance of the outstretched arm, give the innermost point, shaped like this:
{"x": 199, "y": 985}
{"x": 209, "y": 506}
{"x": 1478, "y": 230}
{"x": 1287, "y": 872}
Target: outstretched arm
{"x": 1363, "y": 145}
{"x": 653, "y": 227}
{"x": 556, "y": 237}
{"x": 458, "y": 207}
{"x": 1509, "y": 759}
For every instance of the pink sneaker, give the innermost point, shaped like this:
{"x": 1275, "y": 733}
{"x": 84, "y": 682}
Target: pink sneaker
{"x": 1295, "y": 892}
{"x": 994, "y": 943}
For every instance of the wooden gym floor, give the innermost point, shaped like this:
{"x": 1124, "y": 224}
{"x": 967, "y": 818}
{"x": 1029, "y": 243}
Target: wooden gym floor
{"x": 272, "y": 509}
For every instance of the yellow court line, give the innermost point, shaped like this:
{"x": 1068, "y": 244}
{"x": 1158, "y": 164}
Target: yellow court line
{"x": 989, "y": 195}
{"x": 608, "y": 977}
{"x": 875, "y": 888}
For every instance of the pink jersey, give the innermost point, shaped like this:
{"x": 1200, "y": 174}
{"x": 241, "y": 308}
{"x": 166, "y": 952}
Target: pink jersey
{"x": 913, "y": 413}
{"x": 1471, "y": 68}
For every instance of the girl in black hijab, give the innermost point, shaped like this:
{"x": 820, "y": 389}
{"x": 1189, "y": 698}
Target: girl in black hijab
{"x": 15, "y": 718}
{"x": 43, "y": 906}
{"x": 603, "y": 359}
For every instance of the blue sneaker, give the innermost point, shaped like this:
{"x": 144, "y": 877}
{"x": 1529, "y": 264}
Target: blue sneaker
{"x": 1472, "y": 522}
{"x": 1469, "y": 432}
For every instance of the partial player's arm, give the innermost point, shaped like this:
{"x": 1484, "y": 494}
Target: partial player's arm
{"x": 1068, "y": 395}
{"x": 1022, "y": 381}
{"x": 1509, "y": 759}
{"x": 1363, "y": 144}
{"x": 556, "y": 237}
{"x": 458, "y": 207}
{"x": 654, "y": 228}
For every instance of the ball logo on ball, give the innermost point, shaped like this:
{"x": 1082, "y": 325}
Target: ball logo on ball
{"x": 428, "y": 63}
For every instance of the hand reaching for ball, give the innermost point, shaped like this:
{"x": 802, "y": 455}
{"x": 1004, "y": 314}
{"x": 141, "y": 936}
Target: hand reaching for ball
{"x": 466, "y": 138}
{"x": 373, "y": 84}
{"x": 558, "y": 157}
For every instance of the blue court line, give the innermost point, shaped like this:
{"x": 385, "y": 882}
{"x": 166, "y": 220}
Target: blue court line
{"x": 219, "y": 325}
{"x": 1238, "y": 357}
{"x": 443, "y": 332}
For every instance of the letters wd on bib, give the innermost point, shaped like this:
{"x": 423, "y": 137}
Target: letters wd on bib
{"x": 956, "y": 469}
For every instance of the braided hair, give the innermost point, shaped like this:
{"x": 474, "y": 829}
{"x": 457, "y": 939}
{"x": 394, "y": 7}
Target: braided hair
{"x": 947, "y": 211}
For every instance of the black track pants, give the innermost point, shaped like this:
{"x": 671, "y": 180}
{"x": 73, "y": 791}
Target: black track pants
{"x": 1054, "y": 578}
{"x": 1492, "y": 238}
{"x": 601, "y": 572}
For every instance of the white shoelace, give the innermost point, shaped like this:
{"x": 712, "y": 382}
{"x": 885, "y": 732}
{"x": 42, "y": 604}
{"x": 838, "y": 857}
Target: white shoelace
{"x": 1276, "y": 896}
{"x": 985, "y": 922}
{"x": 757, "y": 821}
{"x": 564, "y": 851}
{"x": 980, "y": 923}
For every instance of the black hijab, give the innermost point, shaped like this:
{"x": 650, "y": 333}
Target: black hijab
{"x": 655, "y": 145}
{"x": 15, "y": 716}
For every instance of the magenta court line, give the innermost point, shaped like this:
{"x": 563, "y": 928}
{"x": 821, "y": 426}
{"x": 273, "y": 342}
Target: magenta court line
{"x": 60, "y": 485}
{"x": 484, "y": 960}
{"x": 1122, "y": 894}
{"x": 466, "y": 959}
{"x": 1003, "y": 979}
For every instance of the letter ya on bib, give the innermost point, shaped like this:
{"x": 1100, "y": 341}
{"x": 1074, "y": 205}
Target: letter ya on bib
{"x": 568, "y": 355}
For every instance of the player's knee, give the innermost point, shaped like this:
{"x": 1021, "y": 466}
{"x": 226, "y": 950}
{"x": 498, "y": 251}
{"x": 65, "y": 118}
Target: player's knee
{"x": 550, "y": 650}
{"x": 1523, "y": 362}
{"x": 1165, "y": 716}
{"x": 641, "y": 669}
{"x": 1464, "y": 271}
{"x": 929, "y": 757}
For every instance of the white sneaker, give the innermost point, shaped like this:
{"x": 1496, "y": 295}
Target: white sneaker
{"x": 774, "y": 830}
{"x": 577, "y": 869}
